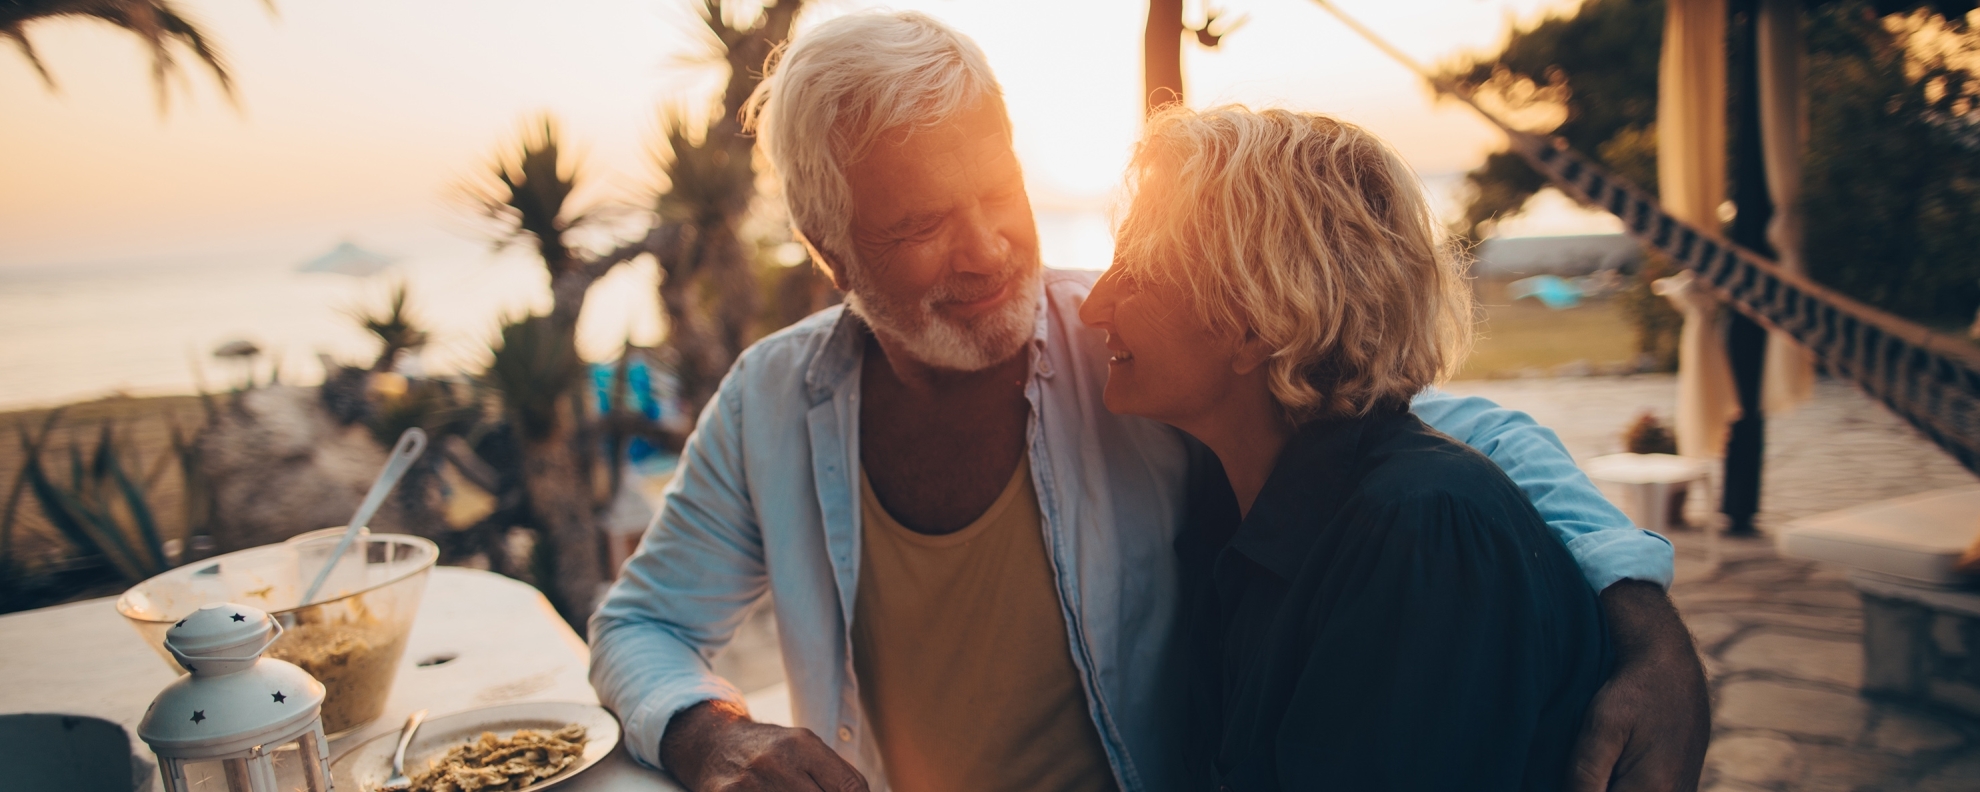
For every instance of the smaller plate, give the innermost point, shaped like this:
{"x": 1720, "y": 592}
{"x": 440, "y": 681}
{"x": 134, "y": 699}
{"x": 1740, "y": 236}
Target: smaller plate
{"x": 366, "y": 767}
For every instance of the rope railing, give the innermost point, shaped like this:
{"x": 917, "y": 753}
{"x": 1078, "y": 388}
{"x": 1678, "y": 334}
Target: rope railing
{"x": 1928, "y": 378}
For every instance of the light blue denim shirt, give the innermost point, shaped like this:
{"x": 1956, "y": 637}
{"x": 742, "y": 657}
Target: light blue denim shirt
{"x": 766, "y": 501}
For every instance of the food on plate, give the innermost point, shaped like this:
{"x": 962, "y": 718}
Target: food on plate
{"x": 493, "y": 763}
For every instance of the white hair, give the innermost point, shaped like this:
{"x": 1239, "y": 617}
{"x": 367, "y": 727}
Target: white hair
{"x": 834, "y": 91}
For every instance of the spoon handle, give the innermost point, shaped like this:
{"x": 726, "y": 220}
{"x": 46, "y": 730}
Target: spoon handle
{"x": 405, "y": 739}
{"x": 410, "y": 446}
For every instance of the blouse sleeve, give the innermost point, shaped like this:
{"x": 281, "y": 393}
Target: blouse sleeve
{"x": 1452, "y": 646}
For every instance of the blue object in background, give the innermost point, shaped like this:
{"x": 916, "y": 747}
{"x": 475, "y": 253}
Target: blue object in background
{"x": 651, "y": 393}
{"x": 1551, "y": 290}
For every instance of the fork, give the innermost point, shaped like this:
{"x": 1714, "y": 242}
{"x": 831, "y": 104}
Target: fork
{"x": 398, "y": 782}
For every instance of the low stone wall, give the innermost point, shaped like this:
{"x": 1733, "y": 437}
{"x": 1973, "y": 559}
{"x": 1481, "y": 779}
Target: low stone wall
{"x": 1922, "y": 651}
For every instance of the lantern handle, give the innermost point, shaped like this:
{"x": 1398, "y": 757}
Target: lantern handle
{"x": 183, "y": 657}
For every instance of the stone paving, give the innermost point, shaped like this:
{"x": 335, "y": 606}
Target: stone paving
{"x": 1781, "y": 637}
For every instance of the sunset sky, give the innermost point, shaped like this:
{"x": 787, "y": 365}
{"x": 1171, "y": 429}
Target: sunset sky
{"x": 355, "y": 116}
{"x": 133, "y": 243}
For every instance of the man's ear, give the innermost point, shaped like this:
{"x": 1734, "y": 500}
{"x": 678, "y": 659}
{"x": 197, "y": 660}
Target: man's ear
{"x": 1252, "y": 353}
{"x": 833, "y": 269}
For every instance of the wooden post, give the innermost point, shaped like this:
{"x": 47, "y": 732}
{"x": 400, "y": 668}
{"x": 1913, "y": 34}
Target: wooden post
{"x": 1746, "y": 340}
{"x": 1161, "y": 55}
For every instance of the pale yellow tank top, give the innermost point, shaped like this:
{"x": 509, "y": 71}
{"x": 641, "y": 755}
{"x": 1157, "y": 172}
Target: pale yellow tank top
{"x": 960, "y": 647}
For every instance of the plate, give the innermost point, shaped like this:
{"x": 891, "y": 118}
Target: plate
{"x": 365, "y": 768}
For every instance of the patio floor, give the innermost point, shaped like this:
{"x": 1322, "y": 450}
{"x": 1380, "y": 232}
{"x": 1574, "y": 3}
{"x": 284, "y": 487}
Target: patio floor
{"x": 1781, "y": 637}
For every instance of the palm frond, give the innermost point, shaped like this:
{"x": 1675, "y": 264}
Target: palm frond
{"x": 158, "y": 23}
{"x": 396, "y": 329}
{"x": 529, "y": 193}
{"x": 708, "y": 179}
{"x": 534, "y": 367}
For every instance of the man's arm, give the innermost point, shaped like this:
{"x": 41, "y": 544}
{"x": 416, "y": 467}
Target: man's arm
{"x": 1648, "y": 726}
{"x": 679, "y": 600}
{"x": 1603, "y": 542}
{"x": 683, "y": 594}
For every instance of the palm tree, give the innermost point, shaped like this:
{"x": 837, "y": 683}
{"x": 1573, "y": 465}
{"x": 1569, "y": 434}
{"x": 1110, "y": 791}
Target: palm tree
{"x": 528, "y": 199}
{"x": 157, "y": 22}
{"x": 711, "y": 182}
{"x": 708, "y": 290}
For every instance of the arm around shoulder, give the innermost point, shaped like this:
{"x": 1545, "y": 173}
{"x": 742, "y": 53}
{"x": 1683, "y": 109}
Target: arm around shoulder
{"x": 1606, "y": 546}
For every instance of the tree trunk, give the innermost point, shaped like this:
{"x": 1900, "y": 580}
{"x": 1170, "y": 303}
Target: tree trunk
{"x": 560, "y": 503}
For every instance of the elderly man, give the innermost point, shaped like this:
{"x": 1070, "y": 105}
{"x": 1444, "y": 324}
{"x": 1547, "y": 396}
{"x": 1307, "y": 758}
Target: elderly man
{"x": 971, "y": 558}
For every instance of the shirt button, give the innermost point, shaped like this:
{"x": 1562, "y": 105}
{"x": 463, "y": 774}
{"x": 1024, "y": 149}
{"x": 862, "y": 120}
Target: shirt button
{"x": 845, "y": 734}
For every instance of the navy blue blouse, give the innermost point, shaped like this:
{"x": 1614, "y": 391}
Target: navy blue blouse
{"x": 1391, "y": 615}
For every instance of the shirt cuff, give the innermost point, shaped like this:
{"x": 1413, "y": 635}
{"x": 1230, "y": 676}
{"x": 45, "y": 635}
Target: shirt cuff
{"x": 648, "y": 722}
{"x": 1608, "y": 557}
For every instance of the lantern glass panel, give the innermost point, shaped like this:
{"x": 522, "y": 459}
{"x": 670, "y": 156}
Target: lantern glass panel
{"x": 292, "y": 767}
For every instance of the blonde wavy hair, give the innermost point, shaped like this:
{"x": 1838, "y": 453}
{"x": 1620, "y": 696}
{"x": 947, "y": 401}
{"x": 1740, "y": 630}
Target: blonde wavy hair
{"x": 1310, "y": 233}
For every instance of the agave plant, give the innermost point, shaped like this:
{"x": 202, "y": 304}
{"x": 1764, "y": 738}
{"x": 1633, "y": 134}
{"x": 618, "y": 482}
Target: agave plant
{"x": 97, "y": 505}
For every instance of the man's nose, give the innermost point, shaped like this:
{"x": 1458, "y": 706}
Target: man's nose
{"x": 985, "y": 249}
{"x": 1098, "y": 309}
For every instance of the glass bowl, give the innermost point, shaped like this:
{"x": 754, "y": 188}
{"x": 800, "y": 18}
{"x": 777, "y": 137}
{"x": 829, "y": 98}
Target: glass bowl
{"x": 350, "y": 638}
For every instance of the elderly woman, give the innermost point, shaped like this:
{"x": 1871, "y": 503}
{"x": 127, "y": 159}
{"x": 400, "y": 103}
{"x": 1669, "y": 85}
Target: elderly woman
{"x": 1368, "y": 604}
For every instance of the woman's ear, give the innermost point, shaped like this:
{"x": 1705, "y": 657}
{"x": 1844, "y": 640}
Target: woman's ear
{"x": 1252, "y": 353}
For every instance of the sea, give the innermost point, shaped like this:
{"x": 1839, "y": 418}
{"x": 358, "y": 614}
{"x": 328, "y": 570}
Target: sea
{"x": 145, "y": 326}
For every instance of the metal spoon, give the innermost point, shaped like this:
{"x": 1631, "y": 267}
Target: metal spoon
{"x": 398, "y": 781}
{"x": 403, "y": 453}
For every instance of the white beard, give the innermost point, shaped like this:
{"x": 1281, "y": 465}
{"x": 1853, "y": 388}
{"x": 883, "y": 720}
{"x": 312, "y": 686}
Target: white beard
{"x": 942, "y": 342}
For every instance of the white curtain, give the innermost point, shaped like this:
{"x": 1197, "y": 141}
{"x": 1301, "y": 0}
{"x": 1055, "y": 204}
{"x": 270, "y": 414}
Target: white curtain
{"x": 1789, "y": 378}
{"x": 1691, "y": 183}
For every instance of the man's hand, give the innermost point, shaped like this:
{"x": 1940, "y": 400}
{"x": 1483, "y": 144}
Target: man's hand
{"x": 1648, "y": 726}
{"x": 714, "y": 747}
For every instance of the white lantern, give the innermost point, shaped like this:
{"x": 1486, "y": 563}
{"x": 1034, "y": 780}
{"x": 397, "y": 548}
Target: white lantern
{"x": 239, "y": 722}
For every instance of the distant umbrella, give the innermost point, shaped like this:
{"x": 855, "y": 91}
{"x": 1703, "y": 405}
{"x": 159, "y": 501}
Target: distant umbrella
{"x": 349, "y": 259}
{"x": 237, "y": 349}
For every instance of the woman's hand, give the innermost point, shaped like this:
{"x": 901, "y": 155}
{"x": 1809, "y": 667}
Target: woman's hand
{"x": 1648, "y": 727}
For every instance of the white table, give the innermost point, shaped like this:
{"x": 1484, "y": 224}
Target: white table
{"x": 1648, "y": 479}
{"x": 506, "y": 645}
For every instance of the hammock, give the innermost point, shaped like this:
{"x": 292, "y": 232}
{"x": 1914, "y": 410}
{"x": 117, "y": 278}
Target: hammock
{"x": 1928, "y": 378}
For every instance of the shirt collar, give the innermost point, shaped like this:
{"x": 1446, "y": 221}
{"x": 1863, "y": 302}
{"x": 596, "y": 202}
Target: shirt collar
{"x": 1310, "y": 482}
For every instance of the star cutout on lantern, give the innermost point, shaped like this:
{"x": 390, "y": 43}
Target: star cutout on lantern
{"x": 279, "y": 698}
{"x": 238, "y": 617}
{"x": 182, "y": 623}
{"x": 198, "y": 715}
